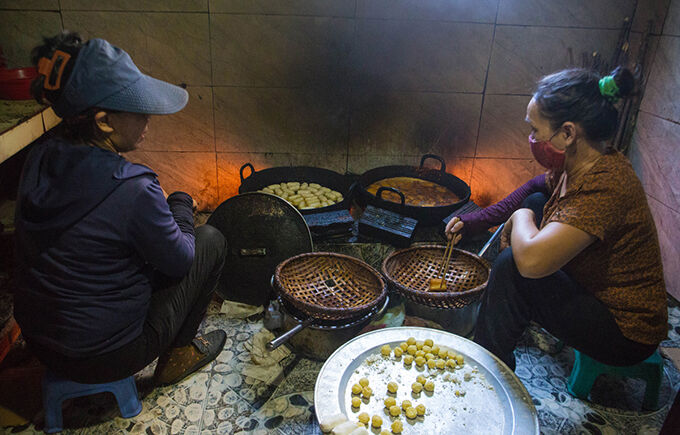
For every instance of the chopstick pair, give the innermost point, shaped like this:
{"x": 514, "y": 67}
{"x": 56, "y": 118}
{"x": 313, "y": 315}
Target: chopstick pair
{"x": 439, "y": 284}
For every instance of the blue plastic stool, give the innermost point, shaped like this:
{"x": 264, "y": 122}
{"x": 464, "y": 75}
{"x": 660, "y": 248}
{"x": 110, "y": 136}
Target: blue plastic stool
{"x": 56, "y": 390}
{"x": 586, "y": 370}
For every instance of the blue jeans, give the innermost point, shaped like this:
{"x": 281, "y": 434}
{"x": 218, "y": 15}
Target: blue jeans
{"x": 556, "y": 302}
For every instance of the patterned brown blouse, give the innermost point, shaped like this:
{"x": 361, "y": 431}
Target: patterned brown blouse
{"x": 623, "y": 266}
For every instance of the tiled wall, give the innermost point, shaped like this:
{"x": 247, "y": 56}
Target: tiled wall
{"x": 655, "y": 148}
{"x": 343, "y": 84}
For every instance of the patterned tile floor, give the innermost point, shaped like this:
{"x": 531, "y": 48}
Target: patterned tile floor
{"x": 220, "y": 400}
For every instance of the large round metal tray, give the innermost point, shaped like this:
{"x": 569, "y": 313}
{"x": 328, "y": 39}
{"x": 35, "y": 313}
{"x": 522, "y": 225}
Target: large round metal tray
{"x": 495, "y": 403}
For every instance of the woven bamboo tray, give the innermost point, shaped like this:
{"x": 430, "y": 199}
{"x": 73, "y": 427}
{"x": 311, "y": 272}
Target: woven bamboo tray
{"x": 329, "y": 286}
{"x": 409, "y": 272}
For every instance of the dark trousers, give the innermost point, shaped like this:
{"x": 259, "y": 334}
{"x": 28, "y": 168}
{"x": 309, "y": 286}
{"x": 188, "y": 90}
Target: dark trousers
{"x": 558, "y": 303}
{"x": 174, "y": 315}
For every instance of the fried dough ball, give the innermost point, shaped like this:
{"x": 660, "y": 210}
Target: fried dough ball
{"x": 435, "y": 350}
{"x": 356, "y": 389}
{"x": 443, "y": 353}
{"x": 429, "y": 386}
{"x": 389, "y": 402}
{"x": 398, "y": 351}
{"x": 366, "y": 392}
{"x": 386, "y": 350}
{"x": 403, "y": 345}
{"x": 417, "y": 387}
{"x": 395, "y": 411}
{"x": 363, "y": 382}
{"x": 408, "y": 359}
{"x": 460, "y": 360}
{"x": 376, "y": 421}
{"x": 412, "y": 349}
{"x": 451, "y": 364}
{"x": 356, "y": 402}
{"x": 427, "y": 349}
{"x": 406, "y": 404}
{"x": 411, "y": 412}
{"x": 397, "y": 426}
{"x": 419, "y": 345}
{"x": 420, "y": 353}
{"x": 429, "y": 342}
{"x": 364, "y": 417}
{"x": 429, "y": 356}
{"x": 411, "y": 341}
{"x": 421, "y": 379}
{"x": 420, "y": 409}
{"x": 441, "y": 364}
{"x": 431, "y": 363}
{"x": 420, "y": 361}
{"x": 392, "y": 387}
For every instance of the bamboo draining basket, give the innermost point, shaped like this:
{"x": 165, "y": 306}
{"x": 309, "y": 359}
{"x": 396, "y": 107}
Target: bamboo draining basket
{"x": 329, "y": 286}
{"x": 410, "y": 270}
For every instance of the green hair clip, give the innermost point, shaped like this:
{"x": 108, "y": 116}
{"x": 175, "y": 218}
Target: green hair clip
{"x": 609, "y": 89}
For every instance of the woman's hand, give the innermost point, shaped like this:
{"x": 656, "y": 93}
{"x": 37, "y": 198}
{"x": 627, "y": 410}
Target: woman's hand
{"x": 453, "y": 228}
{"x": 506, "y": 235}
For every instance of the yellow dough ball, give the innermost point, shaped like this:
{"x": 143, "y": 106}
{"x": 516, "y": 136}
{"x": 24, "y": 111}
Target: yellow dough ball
{"x": 420, "y": 409}
{"x": 420, "y": 353}
{"x": 389, "y": 402}
{"x": 435, "y": 350}
{"x": 429, "y": 342}
{"x": 395, "y": 411}
{"x": 411, "y": 412}
{"x": 392, "y": 387}
{"x": 408, "y": 359}
{"x": 364, "y": 417}
{"x": 460, "y": 360}
{"x": 384, "y": 432}
{"x": 421, "y": 379}
{"x": 412, "y": 349}
{"x": 376, "y": 421}
{"x": 403, "y": 345}
{"x": 363, "y": 382}
{"x": 431, "y": 363}
{"x": 429, "y": 386}
{"x": 420, "y": 361}
{"x": 411, "y": 340}
{"x": 386, "y": 350}
{"x": 406, "y": 404}
{"x": 356, "y": 389}
{"x": 398, "y": 351}
{"x": 443, "y": 353}
{"x": 419, "y": 344}
{"x": 427, "y": 349}
{"x": 366, "y": 392}
{"x": 397, "y": 426}
{"x": 356, "y": 402}
{"x": 429, "y": 356}
{"x": 441, "y": 364}
{"x": 417, "y": 387}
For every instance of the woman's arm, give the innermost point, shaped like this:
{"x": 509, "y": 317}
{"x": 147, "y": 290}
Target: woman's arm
{"x": 482, "y": 220}
{"x": 540, "y": 253}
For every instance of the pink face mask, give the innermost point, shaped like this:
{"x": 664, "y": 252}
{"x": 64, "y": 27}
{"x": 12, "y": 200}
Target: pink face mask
{"x": 546, "y": 154}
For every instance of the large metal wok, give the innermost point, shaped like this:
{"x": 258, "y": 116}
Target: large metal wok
{"x": 325, "y": 177}
{"x": 425, "y": 215}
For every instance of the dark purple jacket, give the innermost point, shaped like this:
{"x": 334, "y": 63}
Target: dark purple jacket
{"x": 91, "y": 229}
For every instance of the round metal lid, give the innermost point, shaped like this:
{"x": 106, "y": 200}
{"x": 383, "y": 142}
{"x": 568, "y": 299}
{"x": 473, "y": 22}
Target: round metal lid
{"x": 261, "y": 230}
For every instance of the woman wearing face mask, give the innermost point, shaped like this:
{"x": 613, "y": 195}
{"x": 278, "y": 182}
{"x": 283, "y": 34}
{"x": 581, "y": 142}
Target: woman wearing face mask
{"x": 112, "y": 273}
{"x": 582, "y": 256}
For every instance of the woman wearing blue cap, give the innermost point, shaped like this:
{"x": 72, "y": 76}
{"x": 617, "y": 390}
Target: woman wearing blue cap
{"x": 112, "y": 273}
{"x": 583, "y": 259}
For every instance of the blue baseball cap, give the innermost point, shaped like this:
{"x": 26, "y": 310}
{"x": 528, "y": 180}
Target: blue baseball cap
{"x": 105, "y": 76}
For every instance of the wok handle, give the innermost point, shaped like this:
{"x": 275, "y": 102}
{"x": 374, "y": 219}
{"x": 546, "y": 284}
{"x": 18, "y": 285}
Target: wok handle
{"x": 433, "y": 156}
{"x": 283, "y": 338}
{"x": 493, "y": 238}
{"x": 378, "y": 194}
{"x": 247, "y": 165}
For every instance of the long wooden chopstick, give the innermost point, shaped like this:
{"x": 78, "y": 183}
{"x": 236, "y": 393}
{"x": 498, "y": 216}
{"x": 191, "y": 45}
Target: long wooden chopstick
{"x": 445, "y": 259}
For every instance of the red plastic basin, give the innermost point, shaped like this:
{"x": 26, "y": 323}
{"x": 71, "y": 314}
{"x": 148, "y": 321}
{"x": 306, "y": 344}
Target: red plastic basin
{"x": 15, "y": 84}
